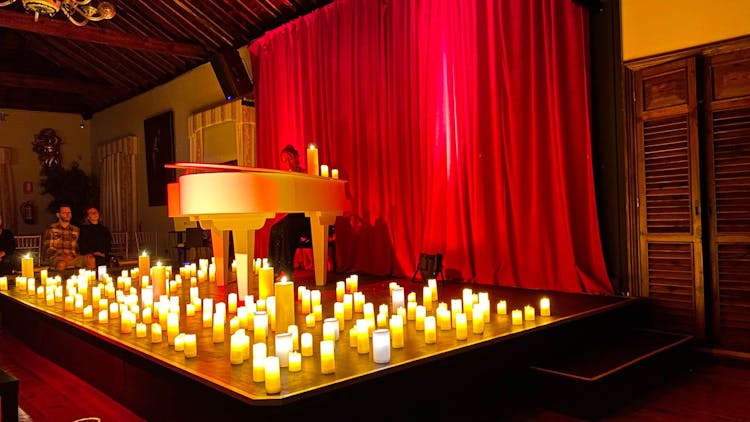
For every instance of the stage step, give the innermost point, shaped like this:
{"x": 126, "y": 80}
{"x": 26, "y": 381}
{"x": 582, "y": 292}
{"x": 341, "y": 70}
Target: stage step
{"x": 591, "y": 377}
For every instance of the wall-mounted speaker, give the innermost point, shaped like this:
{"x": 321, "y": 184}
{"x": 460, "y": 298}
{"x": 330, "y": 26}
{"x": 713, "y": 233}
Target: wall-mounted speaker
{"x": 232, "y": 73}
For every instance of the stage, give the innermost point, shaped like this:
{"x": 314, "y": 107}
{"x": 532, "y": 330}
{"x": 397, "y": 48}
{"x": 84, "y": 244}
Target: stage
{"x": 474, "y": 377}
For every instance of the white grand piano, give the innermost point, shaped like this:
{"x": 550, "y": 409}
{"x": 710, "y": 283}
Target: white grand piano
{"x": 239, "y": 200}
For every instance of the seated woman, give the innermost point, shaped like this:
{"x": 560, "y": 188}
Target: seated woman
{"x": 95, "y": 241}
{"x": 7, "y": 249}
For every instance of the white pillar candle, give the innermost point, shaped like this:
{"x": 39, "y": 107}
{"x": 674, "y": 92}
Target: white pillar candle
{"x": 190, "y": 346}
{"x": 324, "y": 170}
{"x": 430, "y": 331}
{"x": 88, "y": 312}
{"x": 359, "y": 301}
{"x": 420, "y": 314}
{"x": 103, "y": 316}
{"x": 516, "y": 317}
{"x": 544, "y": 306}
{"x": 433, "y": 286}
{"x": 327, "y": 361}
{"x": 219, "y": 326}
{"x": 310, "y": 320}
{"x": 306, "y": 344}
{"x": 338, "y": 313}
{"x": 461, "y": 327}
{"x": 529, "y": 314}
{"x": 295, "y": 361}
{"x": 260, "y": 326}
{"x": 272, "y": 375}
{"x": 330, "y": 328}
{"x": 411, "y": 311}
{"x": 444, "y": 318}
{"x": 397, "y": 298}
{"x": 335, "y": 173}
{"x": 232, "y": 303}
{"x": 236, "y": 344}
{"x": 260, "y": 351}
{"x": 4, "y": 283}
{"x": 282, "y": 347}
{"x": 173, "y": 327}
{"x": 502, "y": 307}
{"x": 363, "y": 338}
{"x": 155, "y": 333}
{"x": 477, "y": 322}
{"x": 348, "y": 306}
{"x": 381, "y": 346}
{"x": 141, "y": 330}
{"x": 427, "y": 297}
{"x": 294, "y": 331}
{"x": 179, "y": 343}
{"x": 340, "y": 291}
{"x": 396, "y": 325}
{"x": 68, "y": 306}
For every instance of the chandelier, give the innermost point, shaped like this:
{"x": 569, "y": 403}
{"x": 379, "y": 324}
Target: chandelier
{"x": 80, "y": 12}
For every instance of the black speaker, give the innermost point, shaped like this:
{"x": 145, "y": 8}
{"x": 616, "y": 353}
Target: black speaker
{"x": 232, "y": 74}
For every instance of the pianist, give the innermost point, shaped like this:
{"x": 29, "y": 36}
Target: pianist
{"x": 287, "y": 232}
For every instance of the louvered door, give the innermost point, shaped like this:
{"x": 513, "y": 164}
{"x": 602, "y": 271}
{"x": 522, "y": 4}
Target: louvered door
{"x": 728, "y": 187}
{"x": 668, "y": 181}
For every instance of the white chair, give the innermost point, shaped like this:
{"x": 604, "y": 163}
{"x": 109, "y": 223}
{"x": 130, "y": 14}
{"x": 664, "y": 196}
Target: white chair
{"x": 120, "y": 245}
{"x": 148, "y": 241}
{"x": 31, "y": 245}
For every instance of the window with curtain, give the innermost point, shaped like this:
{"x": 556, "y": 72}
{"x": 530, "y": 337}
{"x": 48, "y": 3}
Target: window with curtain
{"x": 118, "y": 196}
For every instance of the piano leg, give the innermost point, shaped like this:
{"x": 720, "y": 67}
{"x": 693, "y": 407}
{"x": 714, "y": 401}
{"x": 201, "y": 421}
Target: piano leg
{"x": 244, "y": 248}
{"x": 319, "y": 223}
{"x": 220, "y": 244}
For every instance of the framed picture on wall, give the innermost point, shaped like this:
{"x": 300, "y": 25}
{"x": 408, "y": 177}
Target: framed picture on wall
{"x": 158, "y": 132}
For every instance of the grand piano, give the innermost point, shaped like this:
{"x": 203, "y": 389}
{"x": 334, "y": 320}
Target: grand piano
{"x": 225, "y": 198}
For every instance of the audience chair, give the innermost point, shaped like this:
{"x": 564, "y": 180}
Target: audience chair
{"x": 148, "y": 241}
{"x": 31, "y": 245}
{"x": 195, "y": 245}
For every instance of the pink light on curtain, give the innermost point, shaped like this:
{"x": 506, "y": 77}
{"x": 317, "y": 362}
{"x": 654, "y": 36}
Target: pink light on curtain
{"x": 462, "y": 127}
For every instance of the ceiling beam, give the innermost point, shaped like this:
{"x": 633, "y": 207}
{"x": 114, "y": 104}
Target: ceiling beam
{"x": 19, "y": 80}
{"x": 64, "y": 29}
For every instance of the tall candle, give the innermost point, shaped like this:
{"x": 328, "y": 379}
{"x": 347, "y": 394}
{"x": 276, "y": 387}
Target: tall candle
{"x": 327, "y": 362}
{"x": 272, "y": 375}
{"x": 173, "y": 327}
{"x": 236, "y": 343}
{"x": 430, "y": 332}
{"x": 427, "y": 297}
{"x": 232, "y": 303}
{"x": 363, "y": 339}
{"x": 397, "y": 298}
{"x": 461, "y": 328}
{"x": 420, "y": 314}
{"x": 381, "y": 346}
{"x": 544, "y": 306}
{"x": 260, "y": 327}
{"x": 260, "y": 351}
{"x": 159, "y": 279}
{"x": 284, "y": 293}
{"x": 27, "y": 266}
{"x": 144, "y": 264}
{"x": 306, "y": 344}
{"x": 396, "y": 325}
{"x": 477, "y": 322}
{"x": 312, "y": 160}
{"x": 265, "y": 282}
{"x": 340, "y": 291}
{"x": 294, "y": 331}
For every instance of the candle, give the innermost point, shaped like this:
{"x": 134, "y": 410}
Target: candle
{"x": 272, "y": 375}
{"x": 348, "y": 306}
{"x": 324, "y": 170}
{"x": 190, "y": 346}
{"x": 312, "y": 160}
{"x": 516, "y": 317}
{"x": 421, "y": 313}
{"x": 306, "y": 344}
{"x": 529, "y": 314}
{"x": 88, "y": 312}
{"x": 236, "y": 344}
{"x": 461, "y": 328}
{"x": 295, "y": 361}
{"x": 3, "y": 283}
{"x": 444, "y": 318}
{"x": 544, "y": 306}
{"x": 27, "y": 266}
{"x": 330, "y": 328}
{"x": 310, "y": 320}
{"x": 427, "y": 297}
{"x": 260, "y": 351}
{"x": 179, "y": 343}
{"x": 477, "y": 322}
{"x": 265, "y": 282}
{"x": 327, "y": 362}
{"x": 232, "y": 303}
{"x": 155, "y": 333}
{"x": 396, "y": 325}
{"x": 260, "y": 326}
{"x": 338, "y": 313}
{"x": 433, "y": 286}
{"x": 430, "y": 333}
{"x": 173, "y": 327}
{"x": 284, "y": 293}
{"x": 282, "y": 346}
{"x": 144, "y": 264}
{"x": 218, "y": 327}
{"x": 335, "y": 173}
{"x": 159, "y": 279}
{"x": 502, "y": 308}
{"x": 381, "y": 346}
{"x": 140, "y": 330}
{"x": 363, "y": 338}
{"x": 103, "y": 316}
{"x": 68, "y": 306}
{"x": 411, "y": 310}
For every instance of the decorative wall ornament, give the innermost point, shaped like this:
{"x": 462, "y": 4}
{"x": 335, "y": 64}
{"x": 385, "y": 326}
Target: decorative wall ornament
{"x": 47, "y": 147}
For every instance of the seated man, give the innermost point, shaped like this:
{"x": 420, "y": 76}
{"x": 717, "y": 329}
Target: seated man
{"x": 60, "y": 242}
{"x": 7, "y": 249}
{"x": 95, "y": 241}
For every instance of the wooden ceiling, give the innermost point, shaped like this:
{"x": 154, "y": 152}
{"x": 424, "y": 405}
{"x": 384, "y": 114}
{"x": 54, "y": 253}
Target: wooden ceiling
{"x": 53, "y": 65}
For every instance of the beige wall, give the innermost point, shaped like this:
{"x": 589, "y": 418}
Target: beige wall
{"x": 651, "y": 27}
{"x": 17, "y": 132}
{"x": 191, "y": 92}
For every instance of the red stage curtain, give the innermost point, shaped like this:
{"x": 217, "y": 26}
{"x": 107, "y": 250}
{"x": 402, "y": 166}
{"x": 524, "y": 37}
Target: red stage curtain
{"x": 462, "y": 127}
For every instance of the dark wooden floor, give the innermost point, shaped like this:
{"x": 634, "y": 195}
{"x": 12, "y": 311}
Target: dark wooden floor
{"x": 709, "y": 390}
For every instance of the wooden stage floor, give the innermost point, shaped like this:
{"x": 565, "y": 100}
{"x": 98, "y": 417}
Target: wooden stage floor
{"x": 421, "y": 379}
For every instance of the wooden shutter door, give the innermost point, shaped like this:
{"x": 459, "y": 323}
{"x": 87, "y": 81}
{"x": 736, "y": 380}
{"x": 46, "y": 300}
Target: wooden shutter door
{"x": 668, "y": 183}
{"x": 728, "y": 188}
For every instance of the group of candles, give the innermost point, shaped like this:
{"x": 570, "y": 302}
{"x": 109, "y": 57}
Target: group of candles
{"x": 370, "y": 333}
{"x": 313, "y": 166}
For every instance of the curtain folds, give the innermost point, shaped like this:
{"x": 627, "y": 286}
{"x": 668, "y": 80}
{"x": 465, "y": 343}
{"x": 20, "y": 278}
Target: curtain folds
{"x": 118, "y": 196}
{"x": 8, "y": 205}
{"x": 461, "y": 126}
